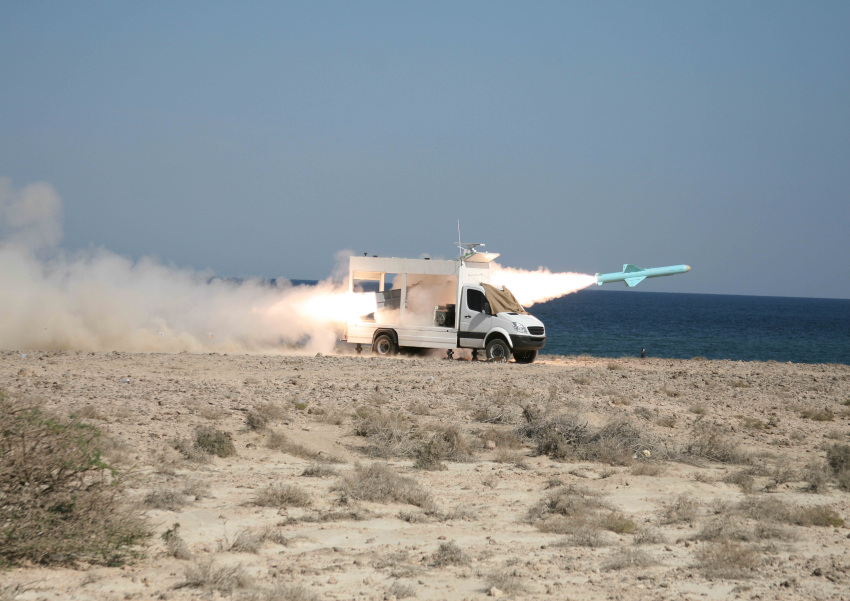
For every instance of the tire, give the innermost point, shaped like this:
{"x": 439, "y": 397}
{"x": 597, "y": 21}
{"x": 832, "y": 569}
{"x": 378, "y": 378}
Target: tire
{"x": 525, "y": 356}
{"x": 497, "y": 351}
{"x": 384, "y": 346}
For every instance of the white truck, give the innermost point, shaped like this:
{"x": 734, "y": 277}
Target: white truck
{"x": 441, "y": 304}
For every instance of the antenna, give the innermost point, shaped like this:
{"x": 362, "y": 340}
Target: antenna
{"x": 467, "y": 249}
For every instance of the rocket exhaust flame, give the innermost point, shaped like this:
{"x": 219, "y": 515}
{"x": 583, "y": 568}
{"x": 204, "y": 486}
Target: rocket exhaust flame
{"x": 539, "y": 286}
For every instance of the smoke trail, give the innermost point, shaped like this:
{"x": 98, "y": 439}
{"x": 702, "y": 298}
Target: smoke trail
{"x": 98, "y": 300}
{"x": 531, "y": 287}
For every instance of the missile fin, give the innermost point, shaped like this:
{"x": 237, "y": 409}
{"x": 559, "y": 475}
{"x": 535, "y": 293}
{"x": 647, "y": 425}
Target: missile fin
{"x": 632, "y": 282}
{"x": 631, "y": 268}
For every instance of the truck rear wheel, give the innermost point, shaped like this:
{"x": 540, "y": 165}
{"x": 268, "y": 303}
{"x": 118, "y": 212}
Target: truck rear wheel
{"x": 525, "y": 356}
{"x": 384, "y": 346}
{"x": 497, "y": 350}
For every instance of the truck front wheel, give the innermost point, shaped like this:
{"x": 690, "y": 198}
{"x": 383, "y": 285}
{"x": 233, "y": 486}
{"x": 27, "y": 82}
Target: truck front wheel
{"x": 525, "y": 356}
{"x": 497, "y": 350}
{"x": 384, "y": 346}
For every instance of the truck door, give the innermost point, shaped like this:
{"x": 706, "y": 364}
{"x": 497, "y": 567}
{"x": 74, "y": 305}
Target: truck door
{"x": 474, "y": 318}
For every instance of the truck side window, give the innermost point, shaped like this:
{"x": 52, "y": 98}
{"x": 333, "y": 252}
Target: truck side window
{"x": 475, "y": 300}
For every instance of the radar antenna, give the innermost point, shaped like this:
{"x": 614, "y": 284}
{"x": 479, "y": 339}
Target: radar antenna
{"x": 467, "y": 249}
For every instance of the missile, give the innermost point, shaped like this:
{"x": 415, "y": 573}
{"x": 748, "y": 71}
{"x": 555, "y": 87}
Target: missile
{"x": 633, "y": 275}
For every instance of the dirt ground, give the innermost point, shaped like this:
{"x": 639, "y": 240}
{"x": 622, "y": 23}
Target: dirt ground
{"x": 717, "y": 490}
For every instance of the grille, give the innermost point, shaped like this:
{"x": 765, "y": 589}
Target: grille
{"x": 535, "y": 330}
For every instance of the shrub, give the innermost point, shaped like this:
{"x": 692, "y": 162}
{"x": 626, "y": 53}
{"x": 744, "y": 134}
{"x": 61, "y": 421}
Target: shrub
{"x": 282, "y": 495}
{"x": 169, "y": 500}
{"x": 390, "y": 434}
{"x": 207, "y": 576}
{"x": 683, "y": 509}
{"x": 449, "y": 554}
{"x": 710, "y": 441}
{"x": 838, "y": 458}
{"x": 379, "y": 483}
{"x": 175, "y": 546}
{"x": 214, "y": 442}
{"x": 728, "y": 559}
{"x": 628, "y": 558}
{"x": 60, "y": 501}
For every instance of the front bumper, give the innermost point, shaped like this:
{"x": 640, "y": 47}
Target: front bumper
{"x": 527, "y": 343}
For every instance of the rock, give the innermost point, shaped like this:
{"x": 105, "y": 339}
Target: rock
{"x": 490, "y": 444}
{"x": 495, "y": 592}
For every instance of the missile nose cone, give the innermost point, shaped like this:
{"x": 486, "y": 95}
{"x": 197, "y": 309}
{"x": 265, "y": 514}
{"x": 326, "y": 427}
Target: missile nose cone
{"x": 687, "y": 267}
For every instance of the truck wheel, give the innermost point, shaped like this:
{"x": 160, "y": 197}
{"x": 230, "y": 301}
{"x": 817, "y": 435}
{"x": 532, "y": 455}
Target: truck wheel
{"x": 497, "y": 350}
{"x": 384, "y": 346}
{"x": 525, "y": 356}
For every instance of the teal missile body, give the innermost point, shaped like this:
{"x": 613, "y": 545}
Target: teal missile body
{"x": 633, "y": 275}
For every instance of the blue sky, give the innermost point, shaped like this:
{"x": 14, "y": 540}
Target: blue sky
{"x": 259, "y": 138}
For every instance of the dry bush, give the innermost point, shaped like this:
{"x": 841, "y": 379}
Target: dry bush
{"x": 379, "y": 483}
{"x": 282, "y": 495}
{"x": 399, "y": 590}
{"x": 246, "y": 541}
{"x": 278, "y": 441}
{"x": 449, "y": 554}
{"x": 728, "y": 559}
{"x": 775, "y": 510}
{"x": 206, "y": 575}
{"x": 501, "y": 437}
{"x": 816, "y": 477}
{"x": 319, "y": 471}
{"x": 744, "y": 479}
{"x": 448, "y": 444}
{"x": 710, "y": 441}
{"x": 838, "y": 458}
{"x": 175, "y": 546}
{"x": 569, "y": 437}
{"x": 515, "y": 458}
{"x": 214, "y": 442}
{"x": 509, "y": 582}
{"x": 683, "y": 510}
{"x": 647, "y": 536}
{"x": 189, "y": 452}
{"x": 818, "y": 415}
{"x": 614, "y": 366}
{"x": 168, "y": 500}
{"x": 89, "y": 412}
{"x": 617, "y": 523}
{"x": 567, "y": 510}
{"x": 628, "y": 558}
{"x": 59, "y": 501}
{"x": 390, "y": 433}
{"x": 279, "y": 592}
{"x": 199, "y": 490}
{"x": 644, "y": 468}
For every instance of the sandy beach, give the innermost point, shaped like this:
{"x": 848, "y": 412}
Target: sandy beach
{"x": 365, "y": 478}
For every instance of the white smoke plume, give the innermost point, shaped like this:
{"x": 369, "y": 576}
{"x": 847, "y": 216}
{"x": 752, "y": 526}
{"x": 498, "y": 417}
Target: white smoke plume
{"x": 539, "y": 286}
{"x": 98, "y": 300}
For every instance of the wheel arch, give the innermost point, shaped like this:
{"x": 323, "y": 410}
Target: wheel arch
{"x": 389, "y": 332}
{"x": 498, "y": 333}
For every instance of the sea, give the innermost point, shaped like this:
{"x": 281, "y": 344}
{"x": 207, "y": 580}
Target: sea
{"x": 610, "y": 323}
{"x": 614, "y": 323}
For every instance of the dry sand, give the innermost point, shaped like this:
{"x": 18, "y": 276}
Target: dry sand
{"x": 367, "y": 550}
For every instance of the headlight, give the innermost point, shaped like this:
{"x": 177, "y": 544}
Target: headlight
{"x": 519, "y": 328}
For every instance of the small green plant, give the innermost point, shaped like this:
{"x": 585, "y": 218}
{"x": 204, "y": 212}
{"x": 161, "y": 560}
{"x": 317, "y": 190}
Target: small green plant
{"x": 838, "y": 458}
{"x": 214, "y": 442}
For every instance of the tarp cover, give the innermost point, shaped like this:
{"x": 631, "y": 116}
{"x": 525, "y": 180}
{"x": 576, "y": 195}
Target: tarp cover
{"x": 502, "y": 300}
